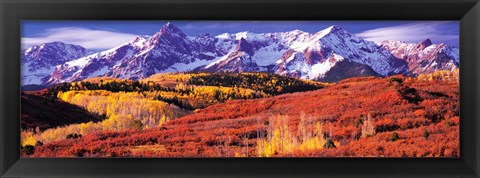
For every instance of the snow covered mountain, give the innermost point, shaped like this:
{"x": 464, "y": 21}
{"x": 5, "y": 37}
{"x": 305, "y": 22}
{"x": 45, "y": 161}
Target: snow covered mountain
{"x": 331, "y": 54}
{"x": 304, "y": 55}
{"x": 39, "y": 61}
{"x": 424, "y": 57}
{"x": 168, "y": 50}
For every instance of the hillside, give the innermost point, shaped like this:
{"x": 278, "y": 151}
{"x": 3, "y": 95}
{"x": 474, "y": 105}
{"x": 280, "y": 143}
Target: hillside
{"x": 44, "y": 111}
{"x": 127, "y": 104}
{"x": 197, "y": 90}
{"x": 358, "y": 117}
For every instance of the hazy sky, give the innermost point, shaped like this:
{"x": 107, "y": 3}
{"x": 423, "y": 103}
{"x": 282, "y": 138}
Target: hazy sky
{"x": 107, "y": 34}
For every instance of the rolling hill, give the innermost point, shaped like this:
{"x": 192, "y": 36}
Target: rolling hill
{"x": 44, "y": 111}
{"x": 358, "y": 117}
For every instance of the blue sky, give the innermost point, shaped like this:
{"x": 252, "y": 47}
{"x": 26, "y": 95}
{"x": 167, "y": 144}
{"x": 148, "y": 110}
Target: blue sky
{"x": 107, "y": 34}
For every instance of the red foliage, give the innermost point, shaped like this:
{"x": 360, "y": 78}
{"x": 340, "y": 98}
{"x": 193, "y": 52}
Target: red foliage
{"x": 408, "y": 109}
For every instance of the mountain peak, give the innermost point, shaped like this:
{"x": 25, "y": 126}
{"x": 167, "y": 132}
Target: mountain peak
{"x": 168, "y": 32}
{"x": 224, "y": 36}
{"x": 335, "y": 28}
{"x": 55, "y": 45}
{"x": 242, "y": 35}
{"x": 293, "y": 53}
{"x": 245, "y": 46}
{"x": 332, "y": 29}
{"x": 297, "y": 31}
{"x": 425, "y": 43}
{"x": 139, "y": 38}
{"x": 169, "y": 28}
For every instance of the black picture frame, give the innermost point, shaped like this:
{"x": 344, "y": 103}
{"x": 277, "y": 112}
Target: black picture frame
{"x": 13, "y": 11}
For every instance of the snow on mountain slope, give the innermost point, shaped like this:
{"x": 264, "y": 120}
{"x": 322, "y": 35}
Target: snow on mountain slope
{"x": 293, "y": 53}
{"x": 263, "y": 49}
{"x": 304, "y": 55}
{"x": 39, "y": 61}
{"x": 169, "y": 50}
{"x": 424, "y": 57}
{"x": 95, "y": 64}
{"x": 360, "y": 51}
{"x": 296, "y": 65}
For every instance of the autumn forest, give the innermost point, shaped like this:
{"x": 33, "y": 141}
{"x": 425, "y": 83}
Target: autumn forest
{"x": 227, "y": 114}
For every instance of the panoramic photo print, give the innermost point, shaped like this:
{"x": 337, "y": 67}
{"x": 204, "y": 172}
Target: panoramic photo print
{"x": 321, "y": 89}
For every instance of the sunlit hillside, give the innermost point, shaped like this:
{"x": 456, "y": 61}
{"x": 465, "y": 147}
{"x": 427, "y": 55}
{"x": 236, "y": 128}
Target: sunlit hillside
{"x": 256, "y": 115}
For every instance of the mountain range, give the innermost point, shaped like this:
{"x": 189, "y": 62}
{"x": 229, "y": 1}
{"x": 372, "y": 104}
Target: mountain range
{"x": 329, "y": 55}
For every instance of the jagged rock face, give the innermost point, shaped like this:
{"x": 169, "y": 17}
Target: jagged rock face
{"x": 315, "y": 56}
{"x": 97, "y": 64}
{"x": 360, "y": 51}
{"x": 424, "y": 57}
{"x": 304, "y": 55}
{"x": 294, "y": 53}
{"x": 422, "y": 45}
{"x": 167, "y": 51}
{"x": 39, "y": 61}
{"x": 207, "y": 43}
